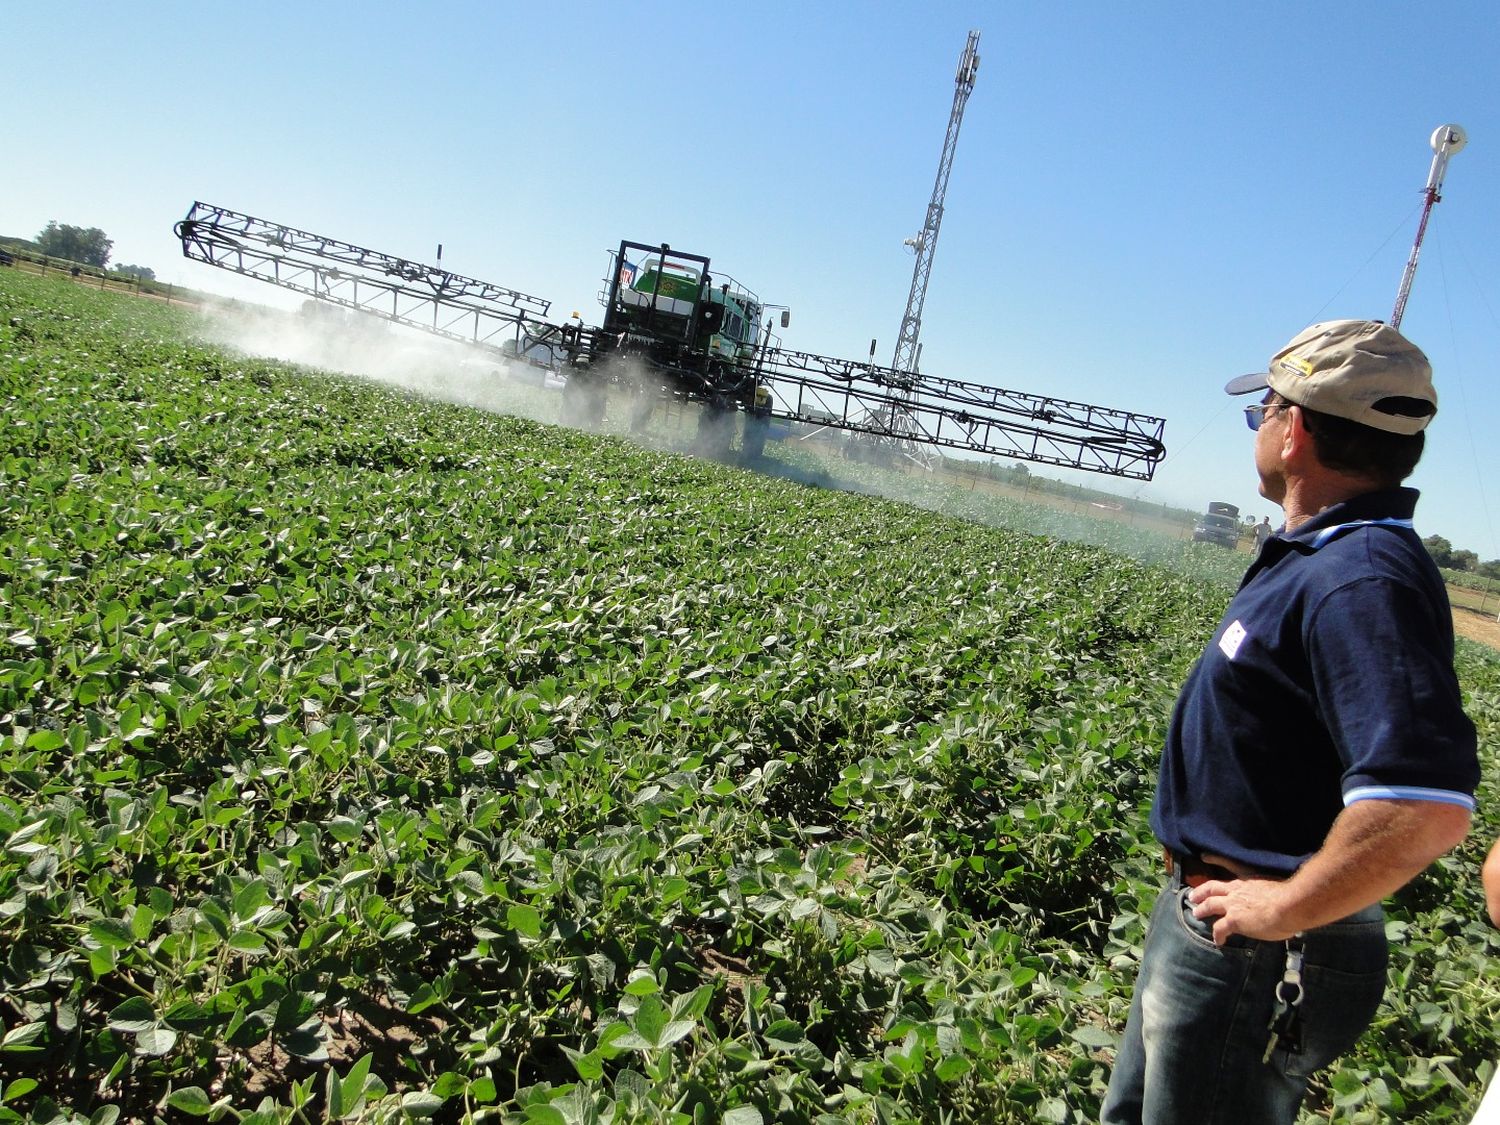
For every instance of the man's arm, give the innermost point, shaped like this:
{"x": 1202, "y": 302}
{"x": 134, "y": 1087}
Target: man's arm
{"x": 1374, "y": 848}
{"x": 1491, "y": 877}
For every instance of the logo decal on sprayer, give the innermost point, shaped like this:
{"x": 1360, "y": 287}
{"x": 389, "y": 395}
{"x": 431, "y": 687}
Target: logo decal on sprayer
{"x": 1233, "y": 637}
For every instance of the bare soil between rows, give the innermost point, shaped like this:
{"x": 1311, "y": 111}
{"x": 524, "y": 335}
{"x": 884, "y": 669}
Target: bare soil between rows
{"x": 1480, "y": 627}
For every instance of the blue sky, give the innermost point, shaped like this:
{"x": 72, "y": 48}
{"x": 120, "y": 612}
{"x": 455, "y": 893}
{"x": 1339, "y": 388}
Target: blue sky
{"x": 1147, "y": 198}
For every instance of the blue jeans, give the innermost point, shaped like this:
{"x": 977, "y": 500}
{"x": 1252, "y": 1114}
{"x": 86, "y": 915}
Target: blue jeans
{"x": 1200, "y": 1018}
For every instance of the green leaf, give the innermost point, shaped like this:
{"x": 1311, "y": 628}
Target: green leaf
{"x": 590, "y": 1067}
{"x": 421, "y": 1105}
{"x": 111, "y": 933}
{"x": 744, "y": 1115}
{"x": 190, "y": 1099}
{"x": 352, "y": 1087}
{"x": 693, "y": 1005}
{"x": 189, "y": 1016}
{"x": 305, "y": 1043}
{"x": 642, "y": 984}
{"x": 1091, "y": 1036}
{"x": 525, "y": 920}
{"x": 250, "y": 898}
{"x": 784, "y": 1035}
{"x": 247, "y": 941}
{"x": 423, "y": 998}
{"x": 953, "y": 1068}
{"x": 141, "y": 922}
{"x": 675, "y": 1030}
{"x": 17, "y": 1088}
{"x": 23, "y": 1038}
{"x": 650, "y": 1020}
{"x": 112, "y": 615}
{"x": 449, "y": 1084}
{"x": 133, "y": 1016}
{"x": 333, "y": 1091}
{"x": 155, "y": 1041}
{"x": 45, "y": 741}
{"x": 632, "y": 1083}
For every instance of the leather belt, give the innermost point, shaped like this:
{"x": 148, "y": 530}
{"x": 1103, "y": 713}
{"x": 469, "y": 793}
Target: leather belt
{"x": 1196, "y": 871}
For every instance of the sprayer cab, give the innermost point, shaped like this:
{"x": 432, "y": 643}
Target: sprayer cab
{"x": 695, "y": 329}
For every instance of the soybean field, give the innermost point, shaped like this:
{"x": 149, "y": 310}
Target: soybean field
{"x": 368, "y": 757}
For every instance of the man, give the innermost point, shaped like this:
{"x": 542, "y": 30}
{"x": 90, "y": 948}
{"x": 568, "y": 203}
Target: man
{"x": 1318, "y": 757}
{"x": 1263, "y": 531}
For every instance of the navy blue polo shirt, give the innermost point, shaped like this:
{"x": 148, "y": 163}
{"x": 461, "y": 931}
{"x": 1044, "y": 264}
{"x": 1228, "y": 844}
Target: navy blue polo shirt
{"x": 1330, "y": 680}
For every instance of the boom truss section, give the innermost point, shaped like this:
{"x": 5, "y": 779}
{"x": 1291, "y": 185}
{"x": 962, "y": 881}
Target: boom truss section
{"x": 889, "y": 404}
{"x": 406, "y": 292}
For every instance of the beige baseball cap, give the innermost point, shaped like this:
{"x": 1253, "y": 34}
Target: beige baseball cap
{"x": 1361, "y": 370}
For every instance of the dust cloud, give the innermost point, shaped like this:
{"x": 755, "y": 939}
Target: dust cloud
{"x": 332, "y": 339}
{"x": 329, "y": 338}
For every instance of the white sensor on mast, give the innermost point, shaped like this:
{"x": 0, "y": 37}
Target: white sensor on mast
{"x": 1445, "y": 141}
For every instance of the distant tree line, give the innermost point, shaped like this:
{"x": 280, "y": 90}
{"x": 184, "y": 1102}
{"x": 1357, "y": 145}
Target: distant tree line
{"x": 87, "y": 246}
{"x": 1445, "y": 556}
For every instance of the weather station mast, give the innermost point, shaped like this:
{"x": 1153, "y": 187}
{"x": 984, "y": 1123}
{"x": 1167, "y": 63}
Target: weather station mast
{"x": 924, "y": 245}
{"x": 1445, "y": 141}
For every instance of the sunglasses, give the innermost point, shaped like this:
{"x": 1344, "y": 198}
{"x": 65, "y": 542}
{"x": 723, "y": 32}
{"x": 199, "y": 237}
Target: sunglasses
{"x": 1256, "y": 414}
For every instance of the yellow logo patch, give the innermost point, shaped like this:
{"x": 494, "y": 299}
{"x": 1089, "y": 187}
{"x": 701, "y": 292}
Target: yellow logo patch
{"x": 1296, "y": 365}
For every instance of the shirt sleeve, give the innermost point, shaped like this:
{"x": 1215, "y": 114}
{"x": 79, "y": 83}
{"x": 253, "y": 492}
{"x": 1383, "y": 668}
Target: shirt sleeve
{"x": 1383, "y": 673}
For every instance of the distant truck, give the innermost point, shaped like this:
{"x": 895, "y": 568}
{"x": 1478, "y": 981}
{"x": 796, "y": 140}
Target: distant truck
{"x": 1220, "y": 525}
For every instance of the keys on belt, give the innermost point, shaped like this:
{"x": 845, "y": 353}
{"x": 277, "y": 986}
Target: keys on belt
{"x": 1285, "y": 1029}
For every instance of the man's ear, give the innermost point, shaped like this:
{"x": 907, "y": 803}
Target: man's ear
{"x": 1296, "y": 438}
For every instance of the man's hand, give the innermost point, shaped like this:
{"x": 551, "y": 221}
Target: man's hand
{"x": 1252, "y": 907}
{"x": 1374, "y": 848}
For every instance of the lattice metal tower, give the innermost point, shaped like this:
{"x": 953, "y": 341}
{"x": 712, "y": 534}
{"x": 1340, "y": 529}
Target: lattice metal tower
{"x": 924, "y": 245}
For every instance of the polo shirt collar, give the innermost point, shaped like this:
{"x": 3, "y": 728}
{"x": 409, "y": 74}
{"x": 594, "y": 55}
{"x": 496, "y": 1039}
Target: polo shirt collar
{"x": 1390, "y": 507}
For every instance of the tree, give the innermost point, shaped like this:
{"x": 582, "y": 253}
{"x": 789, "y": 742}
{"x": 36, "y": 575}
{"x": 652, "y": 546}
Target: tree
{"x": 144, "y": 273}
{"x": 89, "y": 247}
{"x": 1463, "y": 560}
{"x": 1490, "y": 569}
{"x": 1440, "y": 549}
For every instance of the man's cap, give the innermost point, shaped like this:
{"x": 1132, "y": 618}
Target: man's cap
{"x": 1361, "y": 370}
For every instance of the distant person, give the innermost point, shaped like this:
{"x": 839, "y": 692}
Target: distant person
{"x": 1318, "y": 757}
{"x": 1263, "y": 531}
